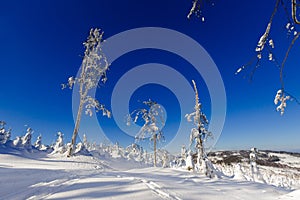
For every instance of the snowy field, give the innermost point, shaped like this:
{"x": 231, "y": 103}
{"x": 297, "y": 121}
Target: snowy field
{"x": 44, "y": 176}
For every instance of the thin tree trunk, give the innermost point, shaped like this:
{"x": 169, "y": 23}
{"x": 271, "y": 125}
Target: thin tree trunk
{"x": 201, "y": 146}
{"x": 154, "y": 141}
{"x": 75, "y": 132}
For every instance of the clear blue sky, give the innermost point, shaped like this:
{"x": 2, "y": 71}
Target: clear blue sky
{"x": 41, "y": 42}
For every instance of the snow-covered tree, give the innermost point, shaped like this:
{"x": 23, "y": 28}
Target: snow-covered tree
{"x": 81, "y": 149}
{"x": 238, "y": 173}
{"x": 189, "y": 161}
{"x": 17, "y": 142}
{"x": 58, "y": 147}
{"x": 165, "y": 159}
{"x": 38, "y": 142}
{"x": 256, "y": 176}
{"x": 116, "y": 151}
{"x": 26, "y": 139}
{"x": 93, "y": 69}
{"x": 153, "y": 121}
{"x": 180, "y": 161}
{"x": 85, "y": 142}
{"x": 4, "y": 133}
{"x": 199, "y": 134}
{"x": 39, "y": 145}
{"x": 145, "y": 156}
{"x": 134, "y": 152}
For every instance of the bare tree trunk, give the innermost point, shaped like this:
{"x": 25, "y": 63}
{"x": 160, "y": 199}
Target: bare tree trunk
{"x": 76, "y": 129}
{"x": 154, "y": 141}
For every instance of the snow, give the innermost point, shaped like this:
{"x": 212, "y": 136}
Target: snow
{"x": 39, "y": 175}
{"x": 282, "y": 98}
{"x": 287, "y": 159}
{"x": 295, "y": 195}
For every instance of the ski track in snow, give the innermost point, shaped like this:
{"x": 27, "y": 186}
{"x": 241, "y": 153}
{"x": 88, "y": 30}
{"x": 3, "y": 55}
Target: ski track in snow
{"x": 52, "y": 187}
{"x": 159, "y": 190}
{"x": 155, "y": 188}
{"x": 85, "y": 177}
{"x": 40, "y": 190}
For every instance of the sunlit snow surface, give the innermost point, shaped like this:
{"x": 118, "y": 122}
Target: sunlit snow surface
{"x": 42, "y": 176}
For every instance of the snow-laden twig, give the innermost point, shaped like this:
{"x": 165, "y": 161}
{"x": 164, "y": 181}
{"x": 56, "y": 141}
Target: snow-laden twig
{"x": 281, "y": 98}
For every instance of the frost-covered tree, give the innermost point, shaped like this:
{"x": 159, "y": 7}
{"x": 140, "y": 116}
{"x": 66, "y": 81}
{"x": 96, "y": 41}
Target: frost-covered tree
{"x": 39, "y": 145}
{"x": 183, "y": 152}
{"x": 93, "y": 69}
{"x": 165, "y": 159}
{"x": 81, "y": 149}
{"x": 181, "y": 160}
{"x": 58, "y": 147}
{"x": 133, "y": 151}
{"x": 4, "y": 133}
{"x": 199, "y": 134}
{"x": 38, "y": 142}
{"x": 85, "y": 141}
{"x": 153, "y": 118}
{"x": 145, "y": 156}
{"x": 26, "y": 139}
{"x": 17, "y": 142}
{"x": 189, "y": 161}
{"x": 116, "y": 151}
{"x": 256, "y": 176}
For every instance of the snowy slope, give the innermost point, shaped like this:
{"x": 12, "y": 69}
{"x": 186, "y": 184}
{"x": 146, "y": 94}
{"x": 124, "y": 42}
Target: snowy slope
{"x": 280, "y": 169}
{"x": 42, "y": 176}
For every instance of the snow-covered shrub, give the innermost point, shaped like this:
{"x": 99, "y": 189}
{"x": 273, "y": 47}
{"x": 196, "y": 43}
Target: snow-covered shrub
{"x": 38, "y": 142}
{"x": 4, "y": 134}
{"x": 81, "y": 150}
{"x": 134, "y": 152}
{"x": 165, "y": 160}
{"x": 146, "y": 157}
{"x": 116, "y": 151}
{"x": 85, "y": 142}
{"x": 238, "y": 173}
{"x": 58, "y": 147}
{"x": 26, "y": 139}
{"x": 17, "y": 142}
{"x": 189, "y": 161}
{"x": 256, "y": 176}
{"x": 40, "y": 146}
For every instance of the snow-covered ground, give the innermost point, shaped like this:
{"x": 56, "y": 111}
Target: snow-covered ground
{"x": 44, "y": 176}
{"x": 280, "y": 169}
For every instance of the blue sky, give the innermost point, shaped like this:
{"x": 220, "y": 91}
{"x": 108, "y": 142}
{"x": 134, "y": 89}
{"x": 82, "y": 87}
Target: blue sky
{"x": 41, "y": 42}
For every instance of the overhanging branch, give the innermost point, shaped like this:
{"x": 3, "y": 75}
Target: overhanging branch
{"x": 294, "y": 11}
